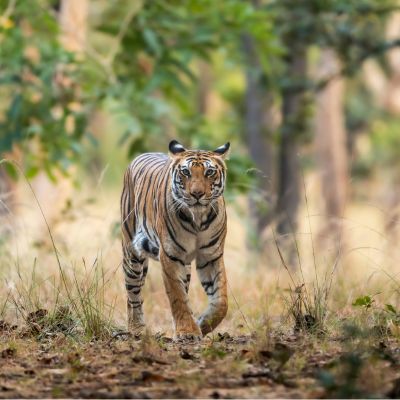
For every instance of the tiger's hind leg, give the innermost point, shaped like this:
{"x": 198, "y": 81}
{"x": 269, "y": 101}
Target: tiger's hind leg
{"x": 135, "y": 267}
{"x": 135, "y": 270}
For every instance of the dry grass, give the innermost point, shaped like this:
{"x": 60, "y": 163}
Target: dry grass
{"x": 87, "y": 266}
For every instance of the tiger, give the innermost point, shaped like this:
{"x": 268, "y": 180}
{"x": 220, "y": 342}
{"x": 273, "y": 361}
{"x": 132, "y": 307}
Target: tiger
{"x": 173, "y": 211}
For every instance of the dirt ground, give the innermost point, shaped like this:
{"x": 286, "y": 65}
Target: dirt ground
{"x": 255, "y": 352}
{"x": 277, "y": 365}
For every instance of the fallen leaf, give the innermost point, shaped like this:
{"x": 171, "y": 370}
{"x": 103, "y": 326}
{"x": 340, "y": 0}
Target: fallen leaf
{"x": 8, "y": 353}
{"x": 148, "y": 376}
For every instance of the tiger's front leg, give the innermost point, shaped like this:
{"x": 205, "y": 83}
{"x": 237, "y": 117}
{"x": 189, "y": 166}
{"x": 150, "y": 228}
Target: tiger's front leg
{"x": 211, "y": 272}
{"x": 175, "y": 280}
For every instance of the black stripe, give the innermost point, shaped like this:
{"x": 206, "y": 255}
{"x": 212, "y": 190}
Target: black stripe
{"x": 150, "y": 172}
{"x": 137, "y": 260}
{"x": 126, "y": 215}
{"x": 184, "y": 218}
{"x": 210, "y": 218}
{"x": 131, "y": 287}
{"x": 173, "y": 237}
{"x": 132, "y": 274}
{"x": 135, "y": 303}
{"x": 166, "y": 214}
{"x": 173, "y": 258}
{"x": 216, "y": 237}
{"x": 213, "y": 292}
{"x": 210, "y": 284}
{"x": 146, "y": 168}
{"x": 209, "y": 262}
{"x": 128, "y": 231}
{"x": 214, "y": 241}
{"x": 142, "y": 165}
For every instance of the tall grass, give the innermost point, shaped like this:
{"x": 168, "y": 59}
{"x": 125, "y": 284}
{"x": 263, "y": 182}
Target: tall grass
{"x": 76, "y": 301}
{"x": 307, "y": 302}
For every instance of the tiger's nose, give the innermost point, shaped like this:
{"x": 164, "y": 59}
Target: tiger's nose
{"x": 197, "y": 194}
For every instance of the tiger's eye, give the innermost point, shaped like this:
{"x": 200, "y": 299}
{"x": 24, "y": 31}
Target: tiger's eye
{"x": 185, "y": 171}
{"x": 210, "y": 172}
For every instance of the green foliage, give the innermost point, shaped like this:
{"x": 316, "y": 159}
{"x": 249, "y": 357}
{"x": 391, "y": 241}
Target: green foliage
{"x": 142, "y": 68}
{"x": 364, "y": 301}
{"x": 214, "y": 351}
{"x": 155, "y": 74}
{"x": 154, "y": 82}
{"x": 382, "y": 321}
{"x": 344, "y": 384}
{"x": 41, "y": 99}
{"x": 354, "y": 29}
{"x": 391, "y": 309}
{"x": 385, "y": 141}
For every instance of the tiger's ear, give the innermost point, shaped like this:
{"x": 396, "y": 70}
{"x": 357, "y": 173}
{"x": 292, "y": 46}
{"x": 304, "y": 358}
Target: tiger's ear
{"x": 175, "y": 147}
{"x": 223, "y": 150}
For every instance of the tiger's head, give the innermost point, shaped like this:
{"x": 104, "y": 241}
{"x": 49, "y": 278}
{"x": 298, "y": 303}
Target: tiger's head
{"x": 198, "y": 176}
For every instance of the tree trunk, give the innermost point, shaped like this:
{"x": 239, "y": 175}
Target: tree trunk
{"x": 392, "y": 98}
{"x": 293, "y": 120}
{"x": 330, "y": 144}
{"x": 385, "y": 88}
{"x": 7, "y": 193}
{"x": 204, "y": 87}
{"x": 258, "y": 122}
{"x": 392, "y": 105}
{"x": 73, "y": 26}
{"x": 73, "y": 22}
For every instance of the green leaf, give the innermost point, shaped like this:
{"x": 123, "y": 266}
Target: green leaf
{"x": 152, "y": 41}
{"x": 32, "y": 172}
{"x": 363, "y": 301}
{"x": 390, "y": 309}
{"x": 11, "y": 170}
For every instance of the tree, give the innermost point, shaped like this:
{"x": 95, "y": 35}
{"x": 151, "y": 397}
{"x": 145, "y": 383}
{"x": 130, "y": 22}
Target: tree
{"x": 293, "y": 120}
{"x": 73, "y": 20}
{"x": 331, "y": 144}
{"x": 353, "y": 31}
{"x": 42, "y": 103}
{"x": 258, "y": 127}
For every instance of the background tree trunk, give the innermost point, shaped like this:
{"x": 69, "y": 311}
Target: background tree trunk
{"x": 330, "y": 144}
{"x": 73, "y": 21}
{"x": 258, "y": 120}
{"x": 7, "y": 194}
{"x": 385, "y": 87}
{"x": 293, "y": 120}
{"x": 392, "y": 105}
{"x": 204, "y": 87}
{"x": 72, "y": 18}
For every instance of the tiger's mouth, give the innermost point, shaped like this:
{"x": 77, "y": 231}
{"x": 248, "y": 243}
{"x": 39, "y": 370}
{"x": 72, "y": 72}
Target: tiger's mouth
{"x": 198, "y": 203}
{"x": 194, "y": 203}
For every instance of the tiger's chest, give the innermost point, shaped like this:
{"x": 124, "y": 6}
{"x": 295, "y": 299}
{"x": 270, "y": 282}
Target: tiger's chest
{"x": 183, "y": 238}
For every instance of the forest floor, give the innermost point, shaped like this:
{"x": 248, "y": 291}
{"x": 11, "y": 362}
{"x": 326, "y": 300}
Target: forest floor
{"x": 77, "y": 348}
{"x": 36, "y": 362}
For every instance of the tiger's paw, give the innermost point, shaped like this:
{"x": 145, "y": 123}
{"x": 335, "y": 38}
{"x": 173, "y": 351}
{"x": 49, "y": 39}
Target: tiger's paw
{"x": 205, "y": 325}
{"x": 188, "y": 337}
{"x": 188, "y": 334}
{"x": 137, "y": 330}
